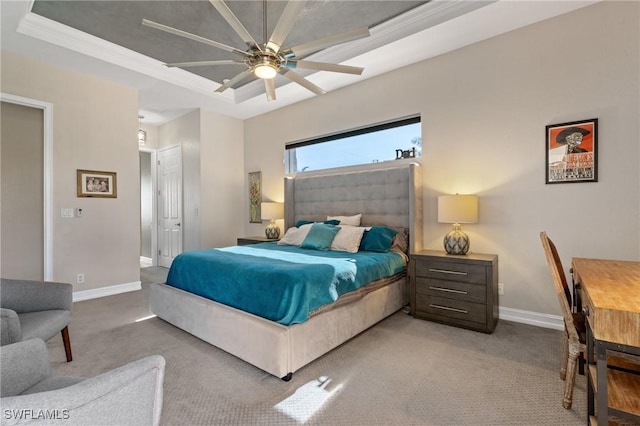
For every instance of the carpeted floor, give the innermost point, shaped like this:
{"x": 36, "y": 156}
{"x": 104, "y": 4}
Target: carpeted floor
{"x": 401, "y": 371}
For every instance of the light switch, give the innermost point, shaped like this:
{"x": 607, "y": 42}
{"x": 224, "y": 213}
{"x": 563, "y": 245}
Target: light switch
{"x": 66, "y": 213}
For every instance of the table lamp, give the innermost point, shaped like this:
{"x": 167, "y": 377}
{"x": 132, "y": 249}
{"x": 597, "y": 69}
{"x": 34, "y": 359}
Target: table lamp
{"x": 272, "y": 211}
{"x": 457, "y": 209}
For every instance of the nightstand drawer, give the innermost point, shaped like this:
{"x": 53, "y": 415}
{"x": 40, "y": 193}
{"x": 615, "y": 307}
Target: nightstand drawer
{"x": 450, "y": 308}
{"x": 452, "y": 289}
{"x": 462, "y": 272}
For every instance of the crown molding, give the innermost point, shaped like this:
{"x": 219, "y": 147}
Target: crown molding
{"x": 53, "y": 32}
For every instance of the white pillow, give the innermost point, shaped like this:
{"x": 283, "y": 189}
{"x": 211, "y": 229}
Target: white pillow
{"x": 347, "y": 220}
{"x": 348, "y": 239}
{"x": 295, "y": 236}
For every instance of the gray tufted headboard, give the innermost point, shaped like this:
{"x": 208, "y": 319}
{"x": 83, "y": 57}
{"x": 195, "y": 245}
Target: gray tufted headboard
{"x": 390, "y": 196}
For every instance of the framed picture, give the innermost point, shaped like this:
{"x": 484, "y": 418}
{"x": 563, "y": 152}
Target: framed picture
{"x": 255, "y": 197}
{"x": 572, "y": 152}
{"x": 97, "y": 184}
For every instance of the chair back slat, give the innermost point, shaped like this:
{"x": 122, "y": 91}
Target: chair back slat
{"x": 560, "y": 283}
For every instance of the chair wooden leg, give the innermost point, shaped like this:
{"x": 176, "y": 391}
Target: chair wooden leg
{"x": 565, "y": 358}
{"x": 67, "y": 343}
{"x": 570, "y": 378}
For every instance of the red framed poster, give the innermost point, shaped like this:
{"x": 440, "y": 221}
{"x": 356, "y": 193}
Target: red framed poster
{"x": 572, "y": 152}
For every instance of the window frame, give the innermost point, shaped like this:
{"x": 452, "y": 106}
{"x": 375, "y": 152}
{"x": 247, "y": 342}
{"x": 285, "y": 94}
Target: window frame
{"x": 399, "y": 122}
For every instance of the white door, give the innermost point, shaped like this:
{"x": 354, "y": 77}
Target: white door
{"x": 169, "y": 205}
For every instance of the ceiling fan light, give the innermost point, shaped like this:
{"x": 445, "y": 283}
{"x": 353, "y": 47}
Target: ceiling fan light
{"x": 265, "y": 71}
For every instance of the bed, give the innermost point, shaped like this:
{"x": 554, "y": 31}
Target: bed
{"x": 390, "y": 197}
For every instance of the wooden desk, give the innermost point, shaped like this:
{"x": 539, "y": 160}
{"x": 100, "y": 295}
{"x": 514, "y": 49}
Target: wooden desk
{"x": 610, "y": 292}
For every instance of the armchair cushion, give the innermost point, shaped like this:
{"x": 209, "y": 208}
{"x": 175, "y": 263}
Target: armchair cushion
{"x": 43, "y": 324}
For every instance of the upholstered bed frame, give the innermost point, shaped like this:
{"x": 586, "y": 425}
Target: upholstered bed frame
{"x": 390, "y": 196}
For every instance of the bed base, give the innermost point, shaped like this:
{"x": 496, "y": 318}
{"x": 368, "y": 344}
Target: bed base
{"x": 277, "y": 349}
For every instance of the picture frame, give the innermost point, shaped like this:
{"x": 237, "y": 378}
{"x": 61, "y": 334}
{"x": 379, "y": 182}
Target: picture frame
{"x": 95, "y": 184}
{"x": 571, "y": 152}
{"x": 255, "y": 197}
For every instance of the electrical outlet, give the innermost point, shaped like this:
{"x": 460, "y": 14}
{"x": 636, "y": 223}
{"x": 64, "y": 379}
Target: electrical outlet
{"x": 501, "y": 289}
{"x": 80, "y": 278}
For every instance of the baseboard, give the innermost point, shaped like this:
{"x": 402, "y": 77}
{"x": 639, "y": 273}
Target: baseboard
{"x": 508, "y": 314}
{"x": 555, "y": 322}
{"x": 95, "y": 293}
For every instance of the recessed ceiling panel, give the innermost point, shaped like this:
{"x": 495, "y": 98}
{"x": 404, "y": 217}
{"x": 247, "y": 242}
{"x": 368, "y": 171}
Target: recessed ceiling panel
{"x": 120, "y": 22}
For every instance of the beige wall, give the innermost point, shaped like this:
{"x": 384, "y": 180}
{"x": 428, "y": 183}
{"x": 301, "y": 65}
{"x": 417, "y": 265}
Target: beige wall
{"x": 484, "y": 109}
{"x": 213, "y": 176}
{"x": 95, "y": 126}
{"x": 222, "y": 168}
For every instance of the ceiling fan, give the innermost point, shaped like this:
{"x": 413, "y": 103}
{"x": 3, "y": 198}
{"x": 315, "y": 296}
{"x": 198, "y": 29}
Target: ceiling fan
{"x": 268, "y": 59}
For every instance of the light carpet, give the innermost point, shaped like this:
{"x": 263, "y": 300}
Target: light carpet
{"x": 401, "y": 371}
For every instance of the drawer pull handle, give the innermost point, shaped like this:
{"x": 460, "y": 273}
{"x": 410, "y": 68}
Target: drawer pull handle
{"x": 448, "y": 290}
{"x": 446, "y": 308}
{"x": 444, "y": 271}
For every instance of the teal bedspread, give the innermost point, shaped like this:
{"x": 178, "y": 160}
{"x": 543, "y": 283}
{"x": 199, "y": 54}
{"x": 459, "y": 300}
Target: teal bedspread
{"x": 280, "y": 283}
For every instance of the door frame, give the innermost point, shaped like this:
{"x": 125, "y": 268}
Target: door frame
{"x": 47, "y": 114}
{"x": 154, "y": 203}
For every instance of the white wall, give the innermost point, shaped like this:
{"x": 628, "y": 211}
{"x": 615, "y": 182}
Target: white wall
{"x": 212, "y": 158}
{"x": 484, "y": 109}
{"x": 95, "y": 125}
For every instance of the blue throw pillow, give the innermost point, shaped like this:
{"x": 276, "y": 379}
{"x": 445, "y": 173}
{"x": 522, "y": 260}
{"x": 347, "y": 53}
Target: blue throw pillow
{"x": 306, "y": 222}
{"x": 378, "y": 238}
{"x": 320, "y": 237}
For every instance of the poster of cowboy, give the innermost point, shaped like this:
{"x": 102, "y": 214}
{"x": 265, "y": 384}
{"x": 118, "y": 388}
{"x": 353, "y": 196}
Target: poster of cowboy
{"x": 572, "y": 152}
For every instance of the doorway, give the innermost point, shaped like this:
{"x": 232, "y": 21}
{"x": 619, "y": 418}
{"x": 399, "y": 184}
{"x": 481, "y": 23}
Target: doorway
{"x": 169, "y": 204}
{"x": 27, "y": 167}
{"x": 148, "y": 236}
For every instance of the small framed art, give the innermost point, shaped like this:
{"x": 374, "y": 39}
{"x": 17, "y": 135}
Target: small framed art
{"x": 96, "y": 184}
{"x": 572, "y": 152}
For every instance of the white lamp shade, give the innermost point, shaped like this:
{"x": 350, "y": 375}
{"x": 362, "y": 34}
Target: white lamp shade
{"x": 457, "y": 208}
{"x": 271, "y": 211}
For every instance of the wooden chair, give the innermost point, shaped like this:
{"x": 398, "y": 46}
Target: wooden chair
{"x": 574, "y": 322}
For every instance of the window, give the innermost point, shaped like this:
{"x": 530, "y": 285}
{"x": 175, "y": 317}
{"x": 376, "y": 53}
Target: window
{"x": 375, "y": 144}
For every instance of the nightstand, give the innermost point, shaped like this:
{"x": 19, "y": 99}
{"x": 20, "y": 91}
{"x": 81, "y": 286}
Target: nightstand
{"x": 244, "y": 241}
{"x": 457, "y": 290}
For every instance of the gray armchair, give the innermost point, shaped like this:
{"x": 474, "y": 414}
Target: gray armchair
{"x": 128, "y": 395}
{"x": 35, "y": 309}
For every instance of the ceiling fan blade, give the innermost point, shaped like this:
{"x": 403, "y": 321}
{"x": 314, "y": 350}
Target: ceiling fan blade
{"x": 324, "y": 66}
{"x": 204, "y": 63}
{"x": 190, "y": 36}
{"x": 297, "y": 78}
{"x": 270, "y": 88}
{"x": 235, "y": 23}
{"x": 285, "y": 23}
{"x": 244, "y": 74}
{"x": 313, "y": 46}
